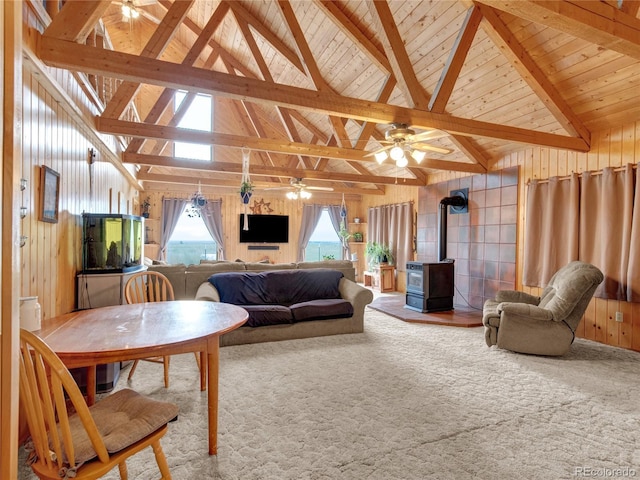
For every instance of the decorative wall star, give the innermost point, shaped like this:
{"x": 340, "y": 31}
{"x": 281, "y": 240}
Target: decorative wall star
{"x": 261, "y": 207}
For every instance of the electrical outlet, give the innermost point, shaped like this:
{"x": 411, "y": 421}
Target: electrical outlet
{"x": 619, "y": 317}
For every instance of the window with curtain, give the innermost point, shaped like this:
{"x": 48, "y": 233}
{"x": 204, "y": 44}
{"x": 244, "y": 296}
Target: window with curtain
{"x": 393, "y": 225}
{"x": 188, "y": 240}
{"x": 324, "y": 242}
{"x": 191, "y": 242}
{"x": 593, "y": 217}
{"x": 311, "y": 217}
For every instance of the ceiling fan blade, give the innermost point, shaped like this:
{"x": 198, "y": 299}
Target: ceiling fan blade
{"x": 430, "y": 148}
{"x": 141, "y": 3}
{"x": 389, "y": 147}
{"x": 427, "y": 134}
{"x": 324, "y": 189}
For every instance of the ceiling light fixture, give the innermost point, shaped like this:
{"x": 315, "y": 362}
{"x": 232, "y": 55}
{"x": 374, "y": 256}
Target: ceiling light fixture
{"x": 401, "y": 142}
{"x": 380, "y": 157}
{"x": 396, "y": 153}
{"x": 402, "y": 162}
{"x": 418, "y": 155}
{"x": 129, "y": 9}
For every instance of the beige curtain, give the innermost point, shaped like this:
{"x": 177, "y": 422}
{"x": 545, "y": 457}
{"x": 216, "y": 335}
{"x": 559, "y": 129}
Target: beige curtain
{"x": 605, "y": 227}
{"x": 633, "y": 268}
{"x": 551, "y": 233}
{"x": 393, "y": 225}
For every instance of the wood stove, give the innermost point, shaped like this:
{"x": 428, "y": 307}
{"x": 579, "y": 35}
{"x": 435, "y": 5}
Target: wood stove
{"x": 430, "y": 286}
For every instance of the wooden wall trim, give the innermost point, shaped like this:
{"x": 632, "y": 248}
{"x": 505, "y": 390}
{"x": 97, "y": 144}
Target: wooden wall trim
{"x": 11, "y": 48}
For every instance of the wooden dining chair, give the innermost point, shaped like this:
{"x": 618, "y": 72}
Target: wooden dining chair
{"x": 151, "y": 286}
{"x": 69, "y": 439}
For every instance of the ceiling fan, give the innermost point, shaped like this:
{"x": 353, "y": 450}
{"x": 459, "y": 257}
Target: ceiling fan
{"x": 401, "y": 140}
{"x": 131, "y": 8}
{"x": 297, "y": 189}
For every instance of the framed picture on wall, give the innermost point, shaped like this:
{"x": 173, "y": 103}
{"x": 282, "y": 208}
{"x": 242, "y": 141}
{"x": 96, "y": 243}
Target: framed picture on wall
{"x": 50, "y": 188}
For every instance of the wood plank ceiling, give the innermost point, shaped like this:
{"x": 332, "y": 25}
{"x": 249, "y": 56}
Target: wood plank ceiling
{"x": 311, "y": 86}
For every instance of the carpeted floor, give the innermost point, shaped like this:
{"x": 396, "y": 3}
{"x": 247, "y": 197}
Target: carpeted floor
{"x": 401, "y": 401}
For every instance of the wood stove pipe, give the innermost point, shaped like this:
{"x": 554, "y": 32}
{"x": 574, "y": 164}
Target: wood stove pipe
{"x": 458, "y": 200}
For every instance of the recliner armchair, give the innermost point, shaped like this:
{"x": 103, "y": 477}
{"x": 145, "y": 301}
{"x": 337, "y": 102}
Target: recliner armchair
{"x": 543, "y": 325}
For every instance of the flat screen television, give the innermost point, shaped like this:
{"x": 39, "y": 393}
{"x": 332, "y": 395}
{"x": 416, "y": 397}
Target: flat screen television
{"x": 265, "y": 229}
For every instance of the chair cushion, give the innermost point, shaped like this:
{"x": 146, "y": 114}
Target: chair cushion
{"x": 122, "y": 419}
{"x": 321, "y": 309}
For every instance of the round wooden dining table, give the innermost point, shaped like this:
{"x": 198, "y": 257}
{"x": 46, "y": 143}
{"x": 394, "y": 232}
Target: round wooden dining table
{"x": 88, "y": 338}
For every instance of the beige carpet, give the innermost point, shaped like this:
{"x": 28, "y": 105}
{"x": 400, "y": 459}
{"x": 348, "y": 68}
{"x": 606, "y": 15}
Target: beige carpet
{"x": 401, "y": 401}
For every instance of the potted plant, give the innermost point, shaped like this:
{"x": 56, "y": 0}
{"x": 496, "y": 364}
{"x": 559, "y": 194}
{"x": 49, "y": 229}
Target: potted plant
{"x": 145, "y": 207}
{"x": 329, "y": 256}
{"x": 344, "y": 233}
{"x": 246, "y": 188}
{"x": 378, "y": 253}
{"x": 357, "y": 237}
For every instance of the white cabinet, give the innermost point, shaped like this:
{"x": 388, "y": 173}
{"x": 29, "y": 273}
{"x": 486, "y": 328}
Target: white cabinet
{"x": 101, "y": 289}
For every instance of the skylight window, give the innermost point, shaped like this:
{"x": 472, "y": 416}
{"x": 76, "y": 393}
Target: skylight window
{"x": 199, "y": 116}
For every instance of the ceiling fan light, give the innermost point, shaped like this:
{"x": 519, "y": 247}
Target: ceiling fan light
{"x": 126, "y": 10}
{"x": 402, "y": 162}
{"x": 292, "y": 195}
{"x": 304, "y": 194}
{"x": 418, "y": 155}
{"x": 380, "y": 156}
{"x": 134, "y": 13}
{"x": 396, "y": 153}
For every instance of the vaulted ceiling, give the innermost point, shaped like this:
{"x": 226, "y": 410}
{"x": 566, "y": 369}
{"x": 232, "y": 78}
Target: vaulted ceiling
{"x": 311, "y": 87}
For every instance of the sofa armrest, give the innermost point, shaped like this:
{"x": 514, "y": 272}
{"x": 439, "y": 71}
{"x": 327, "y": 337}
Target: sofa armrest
{"x": 524, "y": 310}
{"x": 355, "y": 294}
{"x": 515, "y": 296}
{"x": 206, "y": 291}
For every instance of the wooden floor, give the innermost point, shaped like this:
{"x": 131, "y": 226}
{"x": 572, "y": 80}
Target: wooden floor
{"x": 393, "y": 304}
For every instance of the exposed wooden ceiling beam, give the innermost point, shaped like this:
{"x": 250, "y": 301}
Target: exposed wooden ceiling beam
{"x": 153, "y": 49}
{"x": 267, "y": 34}
{"x": 179, "y": 179}
{"x": 134, "y": 129}
{"x": 144, "y": 130}
{"x": 360, "y": 39}
{"x": 284, "y": 114}
{"x": 262, "y": 170}
{"x": 531, "y": 73}
{"x": 311, "y": 67}
{"x": 397, "y": 54}
{"x": 64, "y": 54}
{"x": 595, "y": 22}
{"x": 204, "y": 35}
{"x": 457, "y": 56}
{"x": 75, "y": 20}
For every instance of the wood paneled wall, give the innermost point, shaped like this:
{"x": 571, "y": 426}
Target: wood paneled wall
{"x": 609, "y": 148}
{"x": 52, "y": 254}
{"x": 232, "y": 207}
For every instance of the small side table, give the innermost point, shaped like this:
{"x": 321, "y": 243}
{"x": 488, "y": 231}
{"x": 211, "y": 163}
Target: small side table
{"x": 382, "y": 278}
{"x": 386, "y": 278}
{"x": 368, "y": 278}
